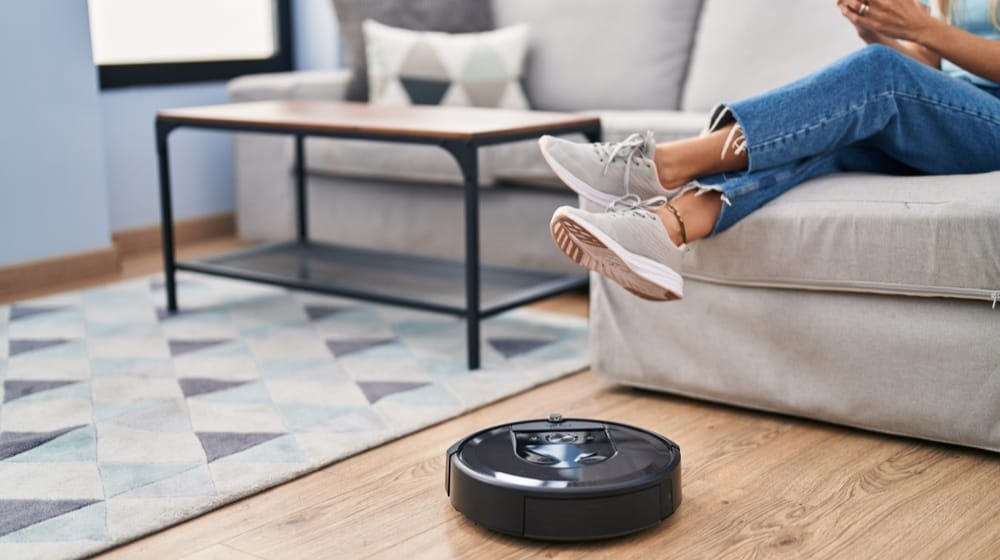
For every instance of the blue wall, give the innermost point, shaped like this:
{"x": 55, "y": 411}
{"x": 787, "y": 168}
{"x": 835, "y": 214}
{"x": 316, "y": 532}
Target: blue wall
{"x": 77, "y": 163}
{"x": 53, "y": 188}
{"x": 200, "y": 162}
{"x": 316, "y": 44}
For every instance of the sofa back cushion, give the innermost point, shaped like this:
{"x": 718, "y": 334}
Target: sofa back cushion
{"x": 746, "y": 47}
{"x": 604, "y": 54}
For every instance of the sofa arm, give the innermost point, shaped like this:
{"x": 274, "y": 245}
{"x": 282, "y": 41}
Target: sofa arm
{"x": 311, "y": 84}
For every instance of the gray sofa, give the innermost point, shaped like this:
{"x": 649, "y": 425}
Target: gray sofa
{"x": 856, "y": 299}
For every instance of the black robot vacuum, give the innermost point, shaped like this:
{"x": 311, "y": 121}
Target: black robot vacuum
{"x": 564, "y": 478}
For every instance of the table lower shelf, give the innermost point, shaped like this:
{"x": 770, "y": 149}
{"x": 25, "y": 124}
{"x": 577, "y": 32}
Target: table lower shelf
{"x": 420, "y": 282}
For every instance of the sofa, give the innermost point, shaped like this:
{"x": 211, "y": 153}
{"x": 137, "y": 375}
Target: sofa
{"x": 861, "y": 300}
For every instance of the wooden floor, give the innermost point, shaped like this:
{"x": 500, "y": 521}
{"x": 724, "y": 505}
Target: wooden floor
{"x": 755, "y": 486}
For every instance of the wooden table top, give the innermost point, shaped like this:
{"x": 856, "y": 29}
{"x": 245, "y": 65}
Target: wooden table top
{"x": 425, "y": 121}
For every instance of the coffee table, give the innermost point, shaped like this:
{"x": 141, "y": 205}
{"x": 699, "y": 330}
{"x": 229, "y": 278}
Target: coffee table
{"x": 466, "y": 289}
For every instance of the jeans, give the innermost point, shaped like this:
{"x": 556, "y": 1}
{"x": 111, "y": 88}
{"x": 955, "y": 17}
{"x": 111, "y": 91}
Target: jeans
{"x": 875, "y": 111}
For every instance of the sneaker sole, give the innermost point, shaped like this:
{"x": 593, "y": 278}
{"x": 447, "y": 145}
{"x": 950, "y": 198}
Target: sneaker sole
{"x": 575, "y": 183}
{"x": 593, "y": 249}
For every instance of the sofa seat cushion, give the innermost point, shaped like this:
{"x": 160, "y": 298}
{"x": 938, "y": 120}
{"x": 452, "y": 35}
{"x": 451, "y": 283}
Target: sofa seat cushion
{"x": 513, "y": 162}
{"x": 922, "y": 236}
{"x": 522, "y": 162}
{"x": 390, "y": 161}
{"x": 518, "y": 163}
{"x": 666, "y": 125}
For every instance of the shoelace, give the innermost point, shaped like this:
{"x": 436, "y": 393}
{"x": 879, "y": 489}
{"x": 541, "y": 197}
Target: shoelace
{"x": 630, "y": 149}
{"x": 631, "y": 203}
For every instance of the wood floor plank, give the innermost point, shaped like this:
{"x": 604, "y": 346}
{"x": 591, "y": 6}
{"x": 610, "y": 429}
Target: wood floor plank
{"x": 221, "y": 552}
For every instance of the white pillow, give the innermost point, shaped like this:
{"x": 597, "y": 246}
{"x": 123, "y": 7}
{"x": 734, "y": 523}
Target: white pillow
{"x": 431, "y": 68}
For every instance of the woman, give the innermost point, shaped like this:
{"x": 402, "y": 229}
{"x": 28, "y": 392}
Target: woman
{"x": 922, "y": 98}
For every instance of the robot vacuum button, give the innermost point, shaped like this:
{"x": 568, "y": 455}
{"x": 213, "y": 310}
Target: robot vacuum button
{"x": 590, "y": 458}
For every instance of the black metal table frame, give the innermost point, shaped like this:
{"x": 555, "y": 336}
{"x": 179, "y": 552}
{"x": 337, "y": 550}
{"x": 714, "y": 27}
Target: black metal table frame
{"x": 464, "y": 151}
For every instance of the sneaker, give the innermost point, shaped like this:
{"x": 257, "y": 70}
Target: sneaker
{"x": 604, "y": 172}
{"x": 629, "y": 246}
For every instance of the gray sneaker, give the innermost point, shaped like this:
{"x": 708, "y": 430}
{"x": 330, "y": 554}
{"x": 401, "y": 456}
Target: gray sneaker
{"x": 628, "y": 246}
{"x": 604, "y": 172}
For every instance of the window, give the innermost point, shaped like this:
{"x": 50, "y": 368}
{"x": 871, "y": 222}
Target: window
{"x": 136, "y": 42}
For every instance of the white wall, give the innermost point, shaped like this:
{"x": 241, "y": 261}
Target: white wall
{"x": 77, "y": 163}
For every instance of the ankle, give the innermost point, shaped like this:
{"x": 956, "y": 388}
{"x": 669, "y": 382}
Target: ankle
{"x": 668, "y": 170}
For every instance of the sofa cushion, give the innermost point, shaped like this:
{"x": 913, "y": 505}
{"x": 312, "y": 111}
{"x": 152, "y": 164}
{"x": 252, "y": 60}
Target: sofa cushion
{"x": 746, "y": 47}
{"x": 386, "y": 161}
{"x": 522, "y": 162}
{"x": 519, "y": 163}
{"x": 452, "y": 16}
{"x": 923, "y": 236}
{"x": 666, "y": 125}
{"x": 604, "y": 54}
{"x": 433, "y": 68}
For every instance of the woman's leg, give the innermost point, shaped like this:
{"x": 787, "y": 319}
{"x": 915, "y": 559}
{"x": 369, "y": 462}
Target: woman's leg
{"x": 681, "y": 161}
{"x": 917, "y": 116}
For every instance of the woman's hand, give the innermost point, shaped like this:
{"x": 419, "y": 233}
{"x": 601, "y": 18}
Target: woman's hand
{"x": 887, "y": 19}
{"x": 875, "y": 30}
{"x": 867, "y": 35}
{"x": 912, "y": 31}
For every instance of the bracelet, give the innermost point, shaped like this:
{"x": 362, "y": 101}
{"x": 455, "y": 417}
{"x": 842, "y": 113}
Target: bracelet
{"x": 680, "y": 222}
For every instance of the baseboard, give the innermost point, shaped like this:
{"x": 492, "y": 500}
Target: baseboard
{"x": 150, "y": 238}
{"x": 45, "y": 273}
{"x": 38, "y": 274}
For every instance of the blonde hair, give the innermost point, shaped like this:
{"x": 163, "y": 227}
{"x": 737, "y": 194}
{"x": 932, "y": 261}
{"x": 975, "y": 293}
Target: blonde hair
{"x": 946, "y": 7}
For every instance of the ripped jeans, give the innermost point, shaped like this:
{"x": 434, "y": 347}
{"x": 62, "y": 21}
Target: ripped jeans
{"x": 874, "y": 111}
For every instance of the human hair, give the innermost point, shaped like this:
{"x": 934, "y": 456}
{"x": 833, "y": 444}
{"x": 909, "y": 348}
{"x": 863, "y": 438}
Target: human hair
{"x": 946, "y": 8}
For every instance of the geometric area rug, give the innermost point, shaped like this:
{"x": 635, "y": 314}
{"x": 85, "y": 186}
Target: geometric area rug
{"x": 118, "y": 420}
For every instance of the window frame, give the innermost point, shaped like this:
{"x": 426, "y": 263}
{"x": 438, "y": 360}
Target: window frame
{"x": 112, "y": 76}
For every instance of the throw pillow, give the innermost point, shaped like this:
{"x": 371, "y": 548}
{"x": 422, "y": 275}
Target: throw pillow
{"x": 452, "y": 16}
{"x": 431, "y": 68}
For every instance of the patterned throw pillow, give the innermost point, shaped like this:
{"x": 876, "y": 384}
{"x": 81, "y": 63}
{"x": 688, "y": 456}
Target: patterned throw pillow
{"x": 432, "y": 68}
{"x": 451, "y": 16}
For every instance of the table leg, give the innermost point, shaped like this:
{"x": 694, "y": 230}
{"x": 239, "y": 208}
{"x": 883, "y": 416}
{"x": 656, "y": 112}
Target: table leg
{"x": 301, "y": 203}
{"x": 594, "y": 135}
{"x": 468, "y": 161}
{"x": 166, "y": 215}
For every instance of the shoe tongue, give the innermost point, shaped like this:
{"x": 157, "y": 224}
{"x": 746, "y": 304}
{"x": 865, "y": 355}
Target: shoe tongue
{"x": 649, "y": 146}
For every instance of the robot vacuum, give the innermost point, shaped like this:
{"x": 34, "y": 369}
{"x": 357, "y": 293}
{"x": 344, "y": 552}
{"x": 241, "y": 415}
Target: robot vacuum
{"x": 564, "y": 478}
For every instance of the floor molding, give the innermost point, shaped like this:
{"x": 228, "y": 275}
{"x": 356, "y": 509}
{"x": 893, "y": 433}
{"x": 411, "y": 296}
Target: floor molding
{"x": 149, "y": 238}
{"x": 42, "y": 274}
{"x": 58, "y": 270}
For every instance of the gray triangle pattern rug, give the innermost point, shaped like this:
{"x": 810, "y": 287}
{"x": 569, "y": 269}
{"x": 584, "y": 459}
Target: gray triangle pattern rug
{"x": 118, "y": 419}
